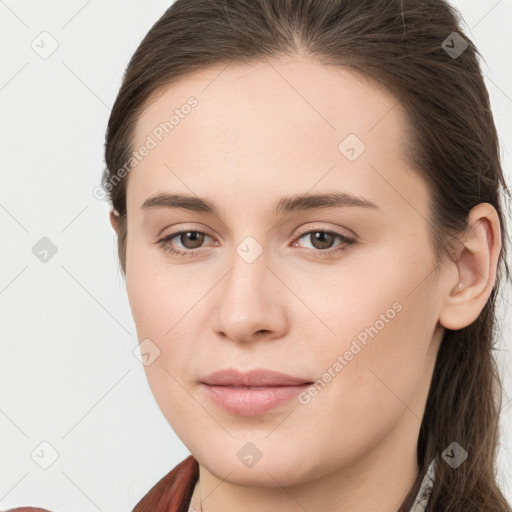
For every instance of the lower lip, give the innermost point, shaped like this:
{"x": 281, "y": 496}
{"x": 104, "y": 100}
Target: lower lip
{"x": 252, "y": 402}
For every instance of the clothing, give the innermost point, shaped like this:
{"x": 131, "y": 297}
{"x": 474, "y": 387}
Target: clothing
{"x": 425, "y": 490}
{"x": 173, "y": 492}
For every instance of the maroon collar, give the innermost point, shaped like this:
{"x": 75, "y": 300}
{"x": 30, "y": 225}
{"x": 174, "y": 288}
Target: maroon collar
{"x": 174, "y": 491}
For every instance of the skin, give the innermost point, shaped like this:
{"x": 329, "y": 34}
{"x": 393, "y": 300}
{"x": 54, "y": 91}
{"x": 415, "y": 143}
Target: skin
{"x": 259, "y": 133}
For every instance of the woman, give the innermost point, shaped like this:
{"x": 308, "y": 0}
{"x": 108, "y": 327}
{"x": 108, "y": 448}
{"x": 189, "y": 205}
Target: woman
{"x": 306, "y": 195}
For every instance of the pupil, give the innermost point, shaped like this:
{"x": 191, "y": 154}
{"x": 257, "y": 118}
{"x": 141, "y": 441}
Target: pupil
{"x": 320, "y": 237}
{"x": 194, "y": 235}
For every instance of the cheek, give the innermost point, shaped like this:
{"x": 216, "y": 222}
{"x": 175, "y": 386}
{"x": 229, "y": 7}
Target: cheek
{"x": 377, "y": 388}
{"x": 159, "y": 294}
{"x": 381, "y": 369}
{"x": 371, "y": 359}
{"x": 166, "y": 316}
{"x": 157, "y": 303}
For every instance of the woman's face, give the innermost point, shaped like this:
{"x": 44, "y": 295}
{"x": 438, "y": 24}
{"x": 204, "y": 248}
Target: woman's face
{"x": 272, "y": 283}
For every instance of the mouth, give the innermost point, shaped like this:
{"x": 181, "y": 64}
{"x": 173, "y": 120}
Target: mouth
{"x": 253, "y": 393}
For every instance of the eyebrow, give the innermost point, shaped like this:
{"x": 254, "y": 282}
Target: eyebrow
{"x": 284, "y": 205}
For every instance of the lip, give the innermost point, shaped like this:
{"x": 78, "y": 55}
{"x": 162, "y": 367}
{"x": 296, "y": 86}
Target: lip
{"x": 252, "y": 393}
{"x": 257, "y": 377}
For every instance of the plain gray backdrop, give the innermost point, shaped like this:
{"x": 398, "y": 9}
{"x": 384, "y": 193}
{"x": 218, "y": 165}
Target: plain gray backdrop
{"x": 74, "y": 397}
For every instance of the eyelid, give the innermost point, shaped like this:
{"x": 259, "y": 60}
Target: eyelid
{"x": 178, "y": 230}
{"x": 335, "y": 231}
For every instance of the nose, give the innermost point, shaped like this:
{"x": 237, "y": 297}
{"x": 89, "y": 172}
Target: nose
{"x": 250, "y": 302}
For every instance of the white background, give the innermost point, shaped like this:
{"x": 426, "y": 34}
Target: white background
{"x": 67, "y": 372}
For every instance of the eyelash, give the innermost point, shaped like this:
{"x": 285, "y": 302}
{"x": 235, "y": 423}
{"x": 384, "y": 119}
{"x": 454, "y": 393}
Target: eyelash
{"x": 346, "y": 243}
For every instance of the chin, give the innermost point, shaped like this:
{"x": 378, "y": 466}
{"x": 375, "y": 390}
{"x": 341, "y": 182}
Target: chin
{"x": 285, "y": 468}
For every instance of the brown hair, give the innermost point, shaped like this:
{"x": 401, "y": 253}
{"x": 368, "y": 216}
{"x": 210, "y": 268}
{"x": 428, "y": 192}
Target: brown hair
{"x": 453, "y": 144}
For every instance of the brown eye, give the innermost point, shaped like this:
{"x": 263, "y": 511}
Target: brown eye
{"x": 187, "y": 242}
{"x": 191, "y": 239}
{"x": 322, "y": 242}
{"x": 321, "y": 239}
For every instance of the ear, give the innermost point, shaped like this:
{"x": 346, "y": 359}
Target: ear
{"x": 114, "y": 219}
{"x": 476, "y": 267}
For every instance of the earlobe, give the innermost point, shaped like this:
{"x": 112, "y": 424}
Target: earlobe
{"x": 114, "y": 218}
{"x": 476, "y": 269}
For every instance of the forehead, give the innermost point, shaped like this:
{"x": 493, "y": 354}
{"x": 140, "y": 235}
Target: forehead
{"x": 279, "y": 90}
{"x": 278, "y": 123}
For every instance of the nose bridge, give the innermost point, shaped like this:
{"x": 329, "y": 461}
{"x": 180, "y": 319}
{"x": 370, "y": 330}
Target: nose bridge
{"x": 247, "y": 280}
{"x": 248, "y": 302}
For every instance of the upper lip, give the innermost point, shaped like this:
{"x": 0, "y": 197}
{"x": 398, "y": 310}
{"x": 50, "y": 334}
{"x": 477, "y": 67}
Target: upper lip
{"x": 257, "y": 377}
